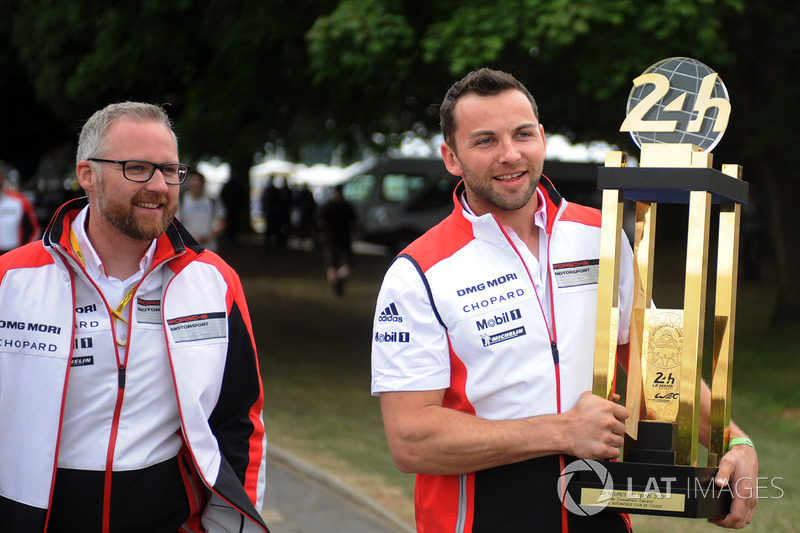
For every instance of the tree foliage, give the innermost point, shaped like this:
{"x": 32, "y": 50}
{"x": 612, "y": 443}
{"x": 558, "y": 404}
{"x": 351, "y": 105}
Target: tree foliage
{"x": 233, "y": 73}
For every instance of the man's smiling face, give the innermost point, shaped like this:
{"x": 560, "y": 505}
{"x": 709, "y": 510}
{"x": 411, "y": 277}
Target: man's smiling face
{"x": 499, "y": 150}
{"x": 141, "y": 211}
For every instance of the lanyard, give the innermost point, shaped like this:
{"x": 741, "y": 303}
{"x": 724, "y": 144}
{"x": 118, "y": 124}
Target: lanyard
{"x": 117, "y": 313}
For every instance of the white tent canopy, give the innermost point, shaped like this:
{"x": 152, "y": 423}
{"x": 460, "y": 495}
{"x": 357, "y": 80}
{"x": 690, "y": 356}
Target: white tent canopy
{"x": 273, "y": 168}
{"x": 320, "y": 175}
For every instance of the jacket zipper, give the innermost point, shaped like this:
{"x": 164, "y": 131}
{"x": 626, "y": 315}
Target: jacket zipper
{"x": 551, "y": 326}
{"x": 121, "y": 378}
{"x": 112, "y": 439}
{"x": 552, "y": 334}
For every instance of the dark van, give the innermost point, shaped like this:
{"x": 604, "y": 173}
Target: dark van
{"x": 397, "y": 200}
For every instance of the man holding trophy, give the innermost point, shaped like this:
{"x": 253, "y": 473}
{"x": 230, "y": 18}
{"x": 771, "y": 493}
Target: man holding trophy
{"x": 484, "y": 334}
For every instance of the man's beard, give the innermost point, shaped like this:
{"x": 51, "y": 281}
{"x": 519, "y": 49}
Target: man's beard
{"x": 121, "y": 216}
{"x": 482, "y": 187}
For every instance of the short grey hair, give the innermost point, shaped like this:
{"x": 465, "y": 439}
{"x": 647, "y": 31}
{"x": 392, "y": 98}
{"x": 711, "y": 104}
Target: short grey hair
{"x": 91, "y": 142}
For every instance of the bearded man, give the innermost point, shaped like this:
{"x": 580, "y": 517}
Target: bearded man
{"x": 130, "y": 394}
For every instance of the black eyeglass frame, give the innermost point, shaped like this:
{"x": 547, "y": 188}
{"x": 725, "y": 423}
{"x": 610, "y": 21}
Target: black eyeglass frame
{"x": 152, "y": 172}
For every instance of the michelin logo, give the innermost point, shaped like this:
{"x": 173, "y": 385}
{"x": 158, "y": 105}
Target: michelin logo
{"x": 489, "y": 340}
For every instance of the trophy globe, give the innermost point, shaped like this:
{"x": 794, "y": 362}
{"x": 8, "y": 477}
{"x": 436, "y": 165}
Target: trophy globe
{"x": 679, "y": 104}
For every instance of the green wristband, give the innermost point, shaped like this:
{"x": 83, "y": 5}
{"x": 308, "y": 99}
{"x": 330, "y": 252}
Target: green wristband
{"x": 741, "y": 440}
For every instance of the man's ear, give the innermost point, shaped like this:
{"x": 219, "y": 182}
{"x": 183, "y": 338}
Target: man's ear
{"x": 451, "y": 162}
{"x": 87, "y": 177}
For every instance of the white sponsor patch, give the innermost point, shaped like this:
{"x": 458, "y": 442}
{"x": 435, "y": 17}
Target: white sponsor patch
{"x": 576, "y": 273}
{"x": 148, "y": 311}
{"x": 198, "y": 327}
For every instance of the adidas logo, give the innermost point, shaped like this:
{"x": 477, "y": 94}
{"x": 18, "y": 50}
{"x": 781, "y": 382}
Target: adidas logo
{"x": 390, "y": 314}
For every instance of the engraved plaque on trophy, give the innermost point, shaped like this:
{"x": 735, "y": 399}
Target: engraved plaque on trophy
{"x": 677, "y": 112}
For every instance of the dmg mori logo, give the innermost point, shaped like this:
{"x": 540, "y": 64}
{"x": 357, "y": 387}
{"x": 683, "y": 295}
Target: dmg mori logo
{"x": 678, "y": 101}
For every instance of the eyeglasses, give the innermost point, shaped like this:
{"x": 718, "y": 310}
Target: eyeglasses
{"x": 142, "y": 171}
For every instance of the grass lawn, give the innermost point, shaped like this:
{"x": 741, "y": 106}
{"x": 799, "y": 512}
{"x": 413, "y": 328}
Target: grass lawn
{"x": 314, "y": 352}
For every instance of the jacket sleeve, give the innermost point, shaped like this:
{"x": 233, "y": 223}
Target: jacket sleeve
{"x": 237, "y": 424}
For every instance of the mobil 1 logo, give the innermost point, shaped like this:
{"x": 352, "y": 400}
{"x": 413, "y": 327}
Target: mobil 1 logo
{"x": 498, "y": 320}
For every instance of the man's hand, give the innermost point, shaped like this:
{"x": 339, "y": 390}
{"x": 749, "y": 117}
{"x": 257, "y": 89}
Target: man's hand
{"x": 738, "y": 470}
{"x": 597, "y": 427}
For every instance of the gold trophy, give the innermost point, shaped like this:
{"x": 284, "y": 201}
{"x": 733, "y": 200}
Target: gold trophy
{"x": 677, "y": 112}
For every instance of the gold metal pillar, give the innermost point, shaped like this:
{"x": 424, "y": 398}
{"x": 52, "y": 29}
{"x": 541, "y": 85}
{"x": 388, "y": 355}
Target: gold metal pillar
{"x": 643, "y": 255}
{"x": 608, "y": 283}
{"x": 724, "y": 322}
{"x": 693, "y": 326}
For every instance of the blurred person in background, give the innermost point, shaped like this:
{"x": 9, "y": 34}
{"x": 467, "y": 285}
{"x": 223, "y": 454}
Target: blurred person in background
{"x": 18, "y": 224}
{"x": 131, "y": 395}
{"x": 201, "y": 215}
{"x": 236, "y": 206}
{"x": 306, "y": 209}
{"x": 276, "y": 204}
{"x": 337, "y": 222}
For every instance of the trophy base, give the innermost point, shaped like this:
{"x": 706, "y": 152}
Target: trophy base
{"x": 649, "y": 481}
{"x": 654, "y": 489}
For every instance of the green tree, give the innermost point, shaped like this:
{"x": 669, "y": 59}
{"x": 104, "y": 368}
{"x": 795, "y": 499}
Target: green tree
{"x": 233, "y": 73}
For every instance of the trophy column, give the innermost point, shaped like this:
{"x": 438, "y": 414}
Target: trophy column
{"x": 724, "y": 321}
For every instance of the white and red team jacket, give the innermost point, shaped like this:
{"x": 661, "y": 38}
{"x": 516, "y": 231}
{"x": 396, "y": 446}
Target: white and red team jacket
{"x": 464, "y": 308}
{"x": 18, "y": 224}
{"x": 195, "y": 300}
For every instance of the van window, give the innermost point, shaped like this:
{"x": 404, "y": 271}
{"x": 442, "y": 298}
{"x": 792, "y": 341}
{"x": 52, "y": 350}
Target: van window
{"x": 398, "y": 188}
{"x": 359, "y": 189}
{"x": 439, "y": 196}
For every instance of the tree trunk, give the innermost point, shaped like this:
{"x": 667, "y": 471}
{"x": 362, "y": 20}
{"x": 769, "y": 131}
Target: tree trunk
{"x": 781, "y": 205}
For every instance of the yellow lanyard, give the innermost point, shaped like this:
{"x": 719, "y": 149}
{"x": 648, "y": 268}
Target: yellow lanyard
{"x": 117, "y": 313}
